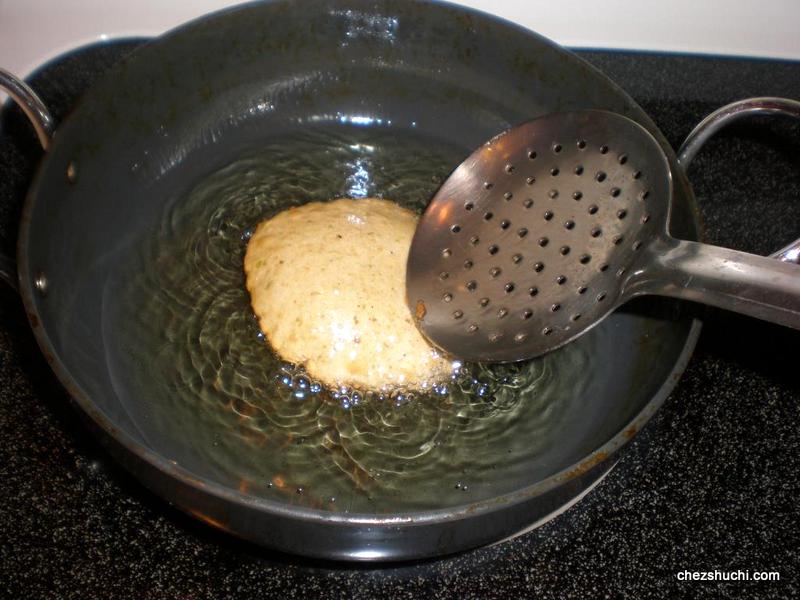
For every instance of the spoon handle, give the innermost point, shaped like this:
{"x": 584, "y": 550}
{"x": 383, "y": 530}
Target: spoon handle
{"x": 749, "y": 284}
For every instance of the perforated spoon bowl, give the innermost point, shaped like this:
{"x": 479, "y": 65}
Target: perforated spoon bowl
{"x": 547, "y": 228}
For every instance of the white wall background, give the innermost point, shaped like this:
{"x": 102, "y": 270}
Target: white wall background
{"x": 32, "y": 31}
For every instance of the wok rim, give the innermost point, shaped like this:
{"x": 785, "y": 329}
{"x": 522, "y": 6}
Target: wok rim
{"x": 207, "y": 487}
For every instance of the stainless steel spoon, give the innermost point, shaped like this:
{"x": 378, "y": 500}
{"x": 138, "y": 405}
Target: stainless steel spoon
{"x": 550, "y": 226}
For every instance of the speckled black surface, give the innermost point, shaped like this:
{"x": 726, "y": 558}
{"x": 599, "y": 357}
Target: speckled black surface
{"x": 712, "y": 482}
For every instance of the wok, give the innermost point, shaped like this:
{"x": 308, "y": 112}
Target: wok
{"x": 186, "y": 105}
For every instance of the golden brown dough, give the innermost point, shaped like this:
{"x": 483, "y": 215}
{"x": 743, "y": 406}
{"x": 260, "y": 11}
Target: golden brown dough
{"x": 327, "y": 283}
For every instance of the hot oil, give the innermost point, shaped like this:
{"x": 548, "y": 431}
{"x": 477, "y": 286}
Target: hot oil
{"x": 244, "y": 417}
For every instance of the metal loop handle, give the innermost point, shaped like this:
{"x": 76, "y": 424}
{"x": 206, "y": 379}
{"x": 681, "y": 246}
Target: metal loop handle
{"x": 725, "y": 116}
{"x": 42, "y": 122}
{"x": 31, "y": 104}
{"x": 8, "y": 272}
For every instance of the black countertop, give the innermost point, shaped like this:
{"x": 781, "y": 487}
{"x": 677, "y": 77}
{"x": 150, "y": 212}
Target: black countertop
{"x": 711, "y": 483}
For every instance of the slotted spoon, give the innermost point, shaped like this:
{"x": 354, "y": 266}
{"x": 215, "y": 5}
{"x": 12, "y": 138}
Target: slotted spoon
{"x": 547, "y": 228}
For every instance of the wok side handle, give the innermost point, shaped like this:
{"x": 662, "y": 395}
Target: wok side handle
{"x": 43, "y": 124}
{"x": 8, "y": 272}
{"x": 725, "y": 116}
{"x": 33, "y": 107}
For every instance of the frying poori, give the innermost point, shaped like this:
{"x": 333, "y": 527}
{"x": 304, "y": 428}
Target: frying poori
{"x": 327, "y": 284}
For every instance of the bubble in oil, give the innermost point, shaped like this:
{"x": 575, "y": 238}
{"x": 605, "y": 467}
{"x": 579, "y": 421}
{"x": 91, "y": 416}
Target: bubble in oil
{"x": 247, "y": 415}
